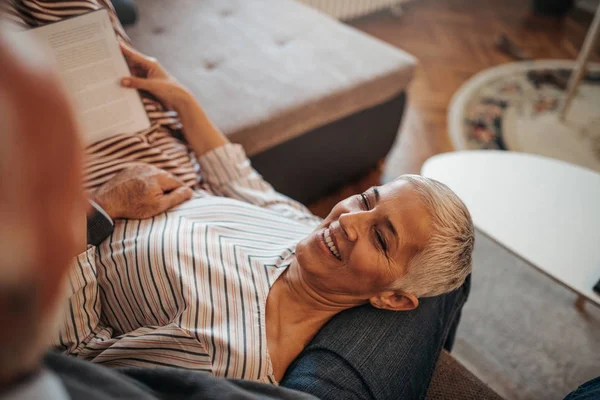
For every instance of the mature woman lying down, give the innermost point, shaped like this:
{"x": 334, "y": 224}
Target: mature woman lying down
{"x": 239, "y": 279}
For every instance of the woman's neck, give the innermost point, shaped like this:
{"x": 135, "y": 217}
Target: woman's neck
{"x": 294, "y": 314}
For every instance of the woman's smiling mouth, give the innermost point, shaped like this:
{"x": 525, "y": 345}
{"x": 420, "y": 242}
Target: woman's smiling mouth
{"x": 330, "y": 243}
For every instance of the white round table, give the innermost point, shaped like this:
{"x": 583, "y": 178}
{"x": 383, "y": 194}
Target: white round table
{"x": 544, "y": 210}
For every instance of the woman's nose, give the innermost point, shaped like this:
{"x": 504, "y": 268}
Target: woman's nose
{"x": 352, "y": 223}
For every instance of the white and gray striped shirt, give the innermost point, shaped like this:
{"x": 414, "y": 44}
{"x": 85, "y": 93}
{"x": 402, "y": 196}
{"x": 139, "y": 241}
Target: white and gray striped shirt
{"x": 188, "y": 288}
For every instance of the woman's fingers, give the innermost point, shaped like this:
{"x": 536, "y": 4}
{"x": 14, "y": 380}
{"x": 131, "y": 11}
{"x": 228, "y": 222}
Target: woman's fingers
{"x": 150, "y": 85}
{"x": 157, "y": 87}
{"x": 135, "y": 66}
{"x": 139, "y": 64}
{"x": 137, "y": 57}
{"x": 149, "y": 75}
{"x": 129, "y": 52}
{"x": 169, "y": 92}
{"x": 142, "y": 65}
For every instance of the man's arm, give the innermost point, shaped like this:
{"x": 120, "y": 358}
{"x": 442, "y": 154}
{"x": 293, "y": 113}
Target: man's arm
{"x": 138, "y": 192}
{"x": 99, "y": 224}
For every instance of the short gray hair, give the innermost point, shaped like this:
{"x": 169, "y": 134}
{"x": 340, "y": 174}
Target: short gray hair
{"x": 445, "y": 260}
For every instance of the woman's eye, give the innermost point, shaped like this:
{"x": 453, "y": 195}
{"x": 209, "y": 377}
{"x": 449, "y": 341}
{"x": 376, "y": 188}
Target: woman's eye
{"x": 365, "y": 200}
{"x": 381, "y": 241}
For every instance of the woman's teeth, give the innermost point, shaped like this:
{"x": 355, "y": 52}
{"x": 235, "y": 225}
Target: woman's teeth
{"x": 330, "y": 244}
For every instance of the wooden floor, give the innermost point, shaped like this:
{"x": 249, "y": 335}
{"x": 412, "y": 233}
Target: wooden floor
{"x": 453, "y": 40}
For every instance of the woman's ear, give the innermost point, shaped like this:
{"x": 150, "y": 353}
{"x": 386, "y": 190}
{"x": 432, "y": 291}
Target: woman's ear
{"x": 394, "y": 301}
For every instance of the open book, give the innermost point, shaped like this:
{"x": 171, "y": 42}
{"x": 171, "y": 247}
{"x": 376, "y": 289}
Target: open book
{"x": 91, "y": 64}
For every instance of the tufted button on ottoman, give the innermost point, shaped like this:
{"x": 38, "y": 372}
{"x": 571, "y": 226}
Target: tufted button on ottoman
{"x": 313, "y": 101}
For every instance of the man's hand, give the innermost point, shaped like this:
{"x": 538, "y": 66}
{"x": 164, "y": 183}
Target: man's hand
{"x": 141, "y": 191}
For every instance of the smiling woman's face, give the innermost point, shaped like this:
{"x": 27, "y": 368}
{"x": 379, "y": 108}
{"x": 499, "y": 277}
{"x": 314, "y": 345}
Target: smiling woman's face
{"x": 365, "y": 243}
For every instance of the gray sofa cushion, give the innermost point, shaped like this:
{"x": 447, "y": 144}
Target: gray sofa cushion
{"x": 267, "y": 71}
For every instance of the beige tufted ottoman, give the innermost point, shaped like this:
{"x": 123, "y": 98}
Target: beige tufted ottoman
{"x": 314, "y": 102}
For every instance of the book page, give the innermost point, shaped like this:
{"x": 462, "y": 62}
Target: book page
{"x": 92, "y": 65}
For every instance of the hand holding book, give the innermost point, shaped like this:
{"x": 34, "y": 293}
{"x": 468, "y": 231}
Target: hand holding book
{"x": 150, "y": 76}
{"x": 90, "y": 63}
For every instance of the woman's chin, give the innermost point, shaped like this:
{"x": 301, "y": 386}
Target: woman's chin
{"x": 313, "y": 253}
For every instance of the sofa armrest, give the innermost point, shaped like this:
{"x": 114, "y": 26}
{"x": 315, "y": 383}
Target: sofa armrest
{"x": 451, "y": 380}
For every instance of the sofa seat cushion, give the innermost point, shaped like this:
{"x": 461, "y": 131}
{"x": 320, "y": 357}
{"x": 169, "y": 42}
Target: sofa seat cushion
{"x": 267, "y": 71}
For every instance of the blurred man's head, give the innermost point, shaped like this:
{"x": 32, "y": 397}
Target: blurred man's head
{"x": 42, "y": 203}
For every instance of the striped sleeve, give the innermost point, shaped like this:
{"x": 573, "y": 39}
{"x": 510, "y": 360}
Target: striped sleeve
{"x": 84, "y": 333}
{"x": 151, "y": 346}
{"x": 227, "y": 172}
{"x": 10, "y": 13}
{"x": 80, "y": 321}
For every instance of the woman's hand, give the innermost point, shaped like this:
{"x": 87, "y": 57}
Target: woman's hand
{"x": 200, "y": 132}
{"x": 150, "y": 76}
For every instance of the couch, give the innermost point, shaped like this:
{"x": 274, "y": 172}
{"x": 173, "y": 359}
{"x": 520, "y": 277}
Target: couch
{"x": 313, "y": 102}
{"x": 452, "y": 381}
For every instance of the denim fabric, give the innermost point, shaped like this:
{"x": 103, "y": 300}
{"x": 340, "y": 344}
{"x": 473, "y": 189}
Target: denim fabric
{"x": 588, "y": 391}
{"x": 365, "y": 353}
{"x": 84, "y": 380}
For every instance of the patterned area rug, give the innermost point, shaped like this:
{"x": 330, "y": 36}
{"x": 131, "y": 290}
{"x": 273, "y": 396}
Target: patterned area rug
{"x": 520, "y": 332}
{"x": 515, "y": 107}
